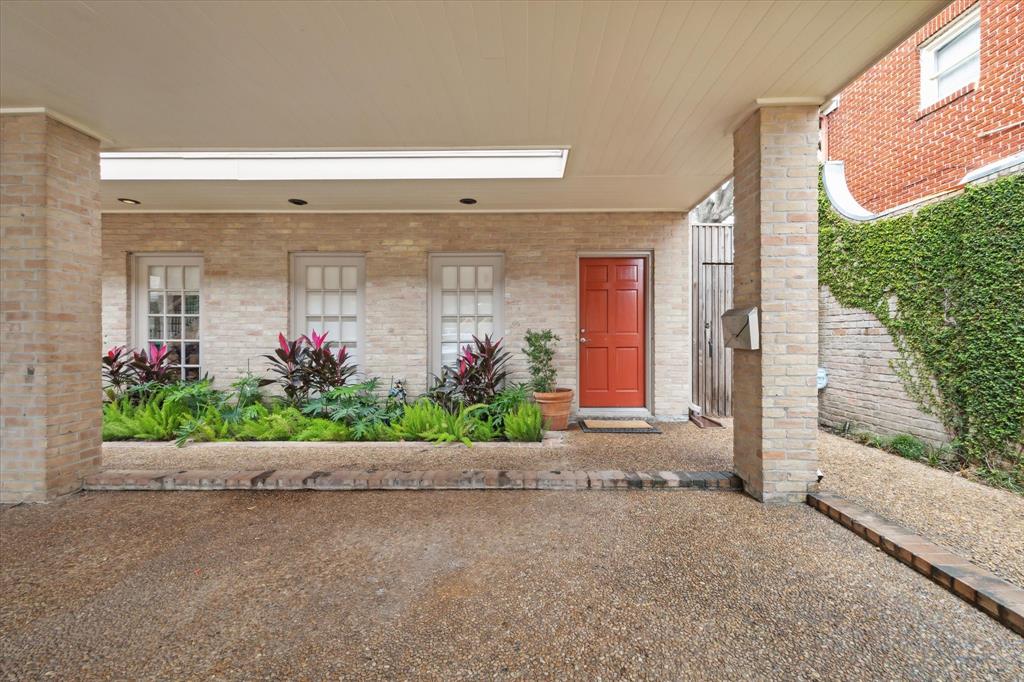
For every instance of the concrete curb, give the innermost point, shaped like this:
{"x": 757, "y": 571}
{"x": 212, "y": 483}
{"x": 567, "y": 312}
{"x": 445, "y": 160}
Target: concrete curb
{"x": 372, "y": 479}
{"x": 980, "y": 588}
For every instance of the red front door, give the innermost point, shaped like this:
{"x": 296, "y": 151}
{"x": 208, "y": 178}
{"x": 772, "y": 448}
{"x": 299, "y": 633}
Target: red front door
{"x": 612, "y": 332}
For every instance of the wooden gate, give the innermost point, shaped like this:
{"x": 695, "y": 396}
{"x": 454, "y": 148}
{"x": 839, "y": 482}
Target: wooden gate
{"x": 711, "y": 266}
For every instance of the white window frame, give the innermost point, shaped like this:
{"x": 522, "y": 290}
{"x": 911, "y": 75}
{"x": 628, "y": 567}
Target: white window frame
{"x": 929, "y": 55}
{"x": 434, "y": 307}
{"x": 140, "y": 263}
{"x": 297, "y": 281}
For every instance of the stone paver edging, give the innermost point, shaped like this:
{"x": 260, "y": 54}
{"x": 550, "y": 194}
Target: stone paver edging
{"x": 552, "y": 439}
{"x": 993, "y": 595}
{"x": 368, "y": 479}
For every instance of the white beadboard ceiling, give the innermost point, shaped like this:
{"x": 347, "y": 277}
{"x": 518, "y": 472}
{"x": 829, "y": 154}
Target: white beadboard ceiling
{"x": 645, "y": 93}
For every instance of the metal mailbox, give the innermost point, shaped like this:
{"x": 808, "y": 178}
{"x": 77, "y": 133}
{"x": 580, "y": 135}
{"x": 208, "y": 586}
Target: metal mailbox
{"x": 739, "y": 327}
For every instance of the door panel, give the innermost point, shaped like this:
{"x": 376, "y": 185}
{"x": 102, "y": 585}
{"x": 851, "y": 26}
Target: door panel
{"x": 612, "y": 332}
{"x": 597, "y": 304}
{"x": 628, "y": 369}
{"x": 626, "y": 273}
{"x": 626, "y": 317}
{"x": 596, "y": 362}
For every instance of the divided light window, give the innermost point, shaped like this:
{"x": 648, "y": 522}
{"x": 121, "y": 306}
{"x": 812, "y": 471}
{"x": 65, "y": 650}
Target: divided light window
{"x": 467, "y": 300}
{"x": 167, "y": 309}
{"x": 327, "y": 295}
{"x": 951, "y": 59}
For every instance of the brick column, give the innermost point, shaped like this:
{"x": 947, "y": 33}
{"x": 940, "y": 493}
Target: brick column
{"x": 50, "y": 392}
{"x": 775, "y": 401}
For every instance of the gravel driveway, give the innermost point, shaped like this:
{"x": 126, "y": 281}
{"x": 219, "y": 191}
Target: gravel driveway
{"x": 979, "y": 522}
{"x": 666, "y": 585}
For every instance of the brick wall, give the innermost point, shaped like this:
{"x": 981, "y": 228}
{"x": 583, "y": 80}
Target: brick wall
{"x": 49, "y": 307}
{"x": 896, "y": 153}
{"x": 862, "y": 388}
{"x": 856, "y": 349}
{"x": 245, "y": 287}
{"x": 776, "y": 268}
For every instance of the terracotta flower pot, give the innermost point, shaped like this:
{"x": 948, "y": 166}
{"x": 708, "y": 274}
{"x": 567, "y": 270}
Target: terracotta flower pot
{"x": 554, "y": 407}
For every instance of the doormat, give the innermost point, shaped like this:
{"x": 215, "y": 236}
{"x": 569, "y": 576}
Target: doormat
{"x": 616, "y": 426}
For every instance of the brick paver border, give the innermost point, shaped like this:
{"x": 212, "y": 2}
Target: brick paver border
{"x": 373, "y": 479}
{"x": 984, "y": 590}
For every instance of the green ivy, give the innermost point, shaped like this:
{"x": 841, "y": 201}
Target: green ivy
{"x": 947, "y": 281}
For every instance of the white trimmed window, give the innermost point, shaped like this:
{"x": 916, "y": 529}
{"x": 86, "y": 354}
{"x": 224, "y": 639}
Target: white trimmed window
{"x": 466, "y": 300}
{"x": 327, "y": 296}
{"x": 951, "y": 59}
{"x": 167, "y": 306}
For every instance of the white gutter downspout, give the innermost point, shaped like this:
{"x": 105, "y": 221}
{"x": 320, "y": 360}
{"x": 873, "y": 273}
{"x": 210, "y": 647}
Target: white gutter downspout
{"x": 833, "y": 176}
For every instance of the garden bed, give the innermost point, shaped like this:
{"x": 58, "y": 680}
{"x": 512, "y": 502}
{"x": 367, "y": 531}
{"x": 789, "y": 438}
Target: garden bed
{"x": 316, "y": 398}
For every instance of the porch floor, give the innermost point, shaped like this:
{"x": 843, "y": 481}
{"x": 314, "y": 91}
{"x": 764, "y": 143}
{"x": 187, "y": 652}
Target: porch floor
{"x": 680, "y": 447}
{"x": 975, "y": 520}
{"x": 470, "y": 585}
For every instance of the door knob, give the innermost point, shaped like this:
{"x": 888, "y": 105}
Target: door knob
{"x": 582, "y": 340}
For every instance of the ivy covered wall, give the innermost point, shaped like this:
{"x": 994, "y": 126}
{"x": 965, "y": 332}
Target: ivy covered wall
{"x": 947, "y": 282}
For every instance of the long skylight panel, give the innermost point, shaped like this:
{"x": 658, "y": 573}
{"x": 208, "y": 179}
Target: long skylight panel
{"x": 454, "y": 164}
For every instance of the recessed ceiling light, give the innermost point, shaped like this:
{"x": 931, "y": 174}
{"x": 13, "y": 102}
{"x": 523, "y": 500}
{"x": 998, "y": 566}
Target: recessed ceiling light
{"x": 130, "y": 202}
{"x": 384, "y": 164}
{"x": 468, "y": 201}
{"x": 298, "y": 202}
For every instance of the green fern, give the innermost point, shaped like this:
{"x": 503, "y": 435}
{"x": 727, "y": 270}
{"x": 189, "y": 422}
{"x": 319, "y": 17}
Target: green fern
{"x": 485, "y": 429}
{"x": 281, "y": 424}
{"x": 324, "y": 430}
{"x": 525, "y": 424}
{"x": 379, "y": 431}
{"x": 158, "y": 418}
{"x": 457, "y": 427}
{"x": 118, "y": 420}
{"x": 209, "y": 426}
{"x": 419, "y": 419}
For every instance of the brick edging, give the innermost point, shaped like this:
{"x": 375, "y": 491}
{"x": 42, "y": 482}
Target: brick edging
{"x": 552, "y": 439}
{"x": 370, "y": 479}
{"x": 984, "y": 590}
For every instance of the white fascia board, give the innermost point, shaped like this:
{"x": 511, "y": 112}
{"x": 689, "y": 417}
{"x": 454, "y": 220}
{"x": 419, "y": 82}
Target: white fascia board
{"x": 356, "y": 165}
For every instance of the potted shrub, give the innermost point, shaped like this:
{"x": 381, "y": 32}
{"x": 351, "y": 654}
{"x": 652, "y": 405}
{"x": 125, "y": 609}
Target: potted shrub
{"x": 554, "y": 402}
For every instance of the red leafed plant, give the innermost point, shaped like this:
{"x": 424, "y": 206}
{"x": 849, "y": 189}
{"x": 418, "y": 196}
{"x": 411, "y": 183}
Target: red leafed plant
{"x": 287, "y": 362}
{"x": 117, "y": 371}
{"x": 478, "y": 376}
{"x": 327, "y": 370}
{"x": 307, "y": 366}
{"x": 136, "y": 373}
{"x": 153, "y": 366}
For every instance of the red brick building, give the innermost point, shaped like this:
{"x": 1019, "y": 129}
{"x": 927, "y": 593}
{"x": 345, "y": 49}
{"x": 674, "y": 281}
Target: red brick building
{"x": 947, "y": 101}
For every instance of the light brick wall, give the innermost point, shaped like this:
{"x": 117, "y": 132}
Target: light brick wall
{"x": 862, "y": 387}
{"x": 245, "y": 287}
{"x": 776, "y": 268}
{"x": 49, "y": 307}
{"x": 896, "y": 153}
